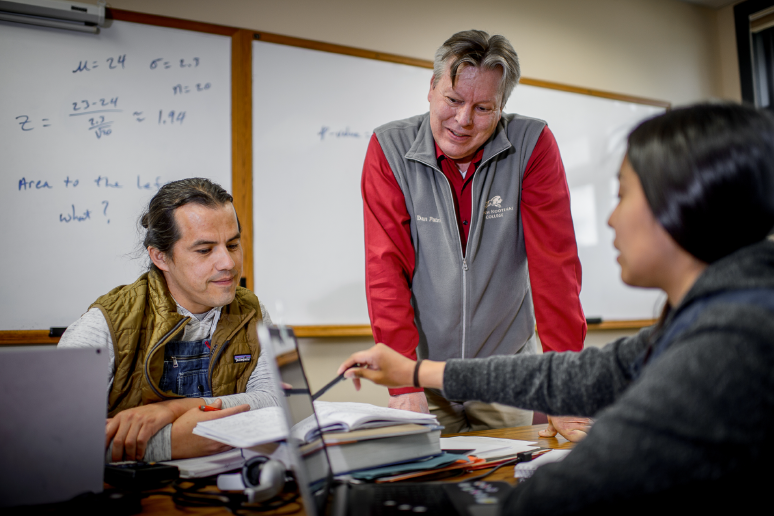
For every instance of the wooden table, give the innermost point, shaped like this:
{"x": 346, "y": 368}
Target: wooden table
{"x": 162, "y": 504}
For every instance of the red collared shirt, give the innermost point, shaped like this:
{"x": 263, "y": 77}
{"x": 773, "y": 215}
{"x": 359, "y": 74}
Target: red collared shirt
{"x": 461, "y": 189}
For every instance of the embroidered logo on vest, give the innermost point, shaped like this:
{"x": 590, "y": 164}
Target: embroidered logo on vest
{"x": 495, "y": 202}
{"x": 242, "y": 358}
{"x": 494, "y": 208}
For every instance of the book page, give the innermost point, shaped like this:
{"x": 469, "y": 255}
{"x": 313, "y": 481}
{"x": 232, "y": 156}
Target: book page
{"x": 345, "y": 416}
{"x": 246, "y": 429}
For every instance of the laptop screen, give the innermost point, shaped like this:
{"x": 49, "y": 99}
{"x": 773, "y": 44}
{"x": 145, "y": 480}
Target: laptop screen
{"x": 311, "y": 464}
{"x": 52, "y": 428}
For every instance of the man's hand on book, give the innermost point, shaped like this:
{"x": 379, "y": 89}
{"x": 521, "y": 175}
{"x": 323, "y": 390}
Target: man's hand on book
{"x": 413, "y": 401}
{"x": 186, "y": 444}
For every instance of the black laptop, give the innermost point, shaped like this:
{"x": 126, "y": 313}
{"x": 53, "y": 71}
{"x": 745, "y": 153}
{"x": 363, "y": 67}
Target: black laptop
{"x": 322, "y": 494}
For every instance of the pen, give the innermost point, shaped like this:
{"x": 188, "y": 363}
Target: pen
{"x": 331, "y": 384}
{"x": 207, "y": 408}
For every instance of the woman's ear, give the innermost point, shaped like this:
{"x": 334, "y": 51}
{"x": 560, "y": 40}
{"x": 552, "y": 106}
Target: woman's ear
{"x": 158, "y": 258}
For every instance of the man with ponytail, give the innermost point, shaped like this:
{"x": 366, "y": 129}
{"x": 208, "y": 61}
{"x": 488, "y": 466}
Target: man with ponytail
{"x": 183, "y": 335}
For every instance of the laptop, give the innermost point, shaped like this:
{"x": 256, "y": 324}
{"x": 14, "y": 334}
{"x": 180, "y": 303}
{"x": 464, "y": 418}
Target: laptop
{"x": 52, "y": 429}
{"x": 321, "y": 493}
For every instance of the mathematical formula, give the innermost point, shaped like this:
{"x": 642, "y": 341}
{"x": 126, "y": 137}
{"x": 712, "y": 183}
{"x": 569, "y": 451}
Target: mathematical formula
{"x": 119, "y": 62}
{"x": 100, "y": 113}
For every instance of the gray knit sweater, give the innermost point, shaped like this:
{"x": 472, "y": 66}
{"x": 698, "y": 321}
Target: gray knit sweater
{"x": 691, "y": 430}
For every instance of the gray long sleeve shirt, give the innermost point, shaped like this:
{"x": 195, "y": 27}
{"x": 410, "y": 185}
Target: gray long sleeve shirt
{"x": 693, "y": 428}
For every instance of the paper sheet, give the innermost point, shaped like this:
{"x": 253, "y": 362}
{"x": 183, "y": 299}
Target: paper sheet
{"x": 487, "y": 447}
{"x": 246, "y": 429}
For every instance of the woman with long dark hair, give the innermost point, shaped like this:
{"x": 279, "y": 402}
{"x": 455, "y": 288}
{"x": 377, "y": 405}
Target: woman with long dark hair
{"x": 684, "y": 408}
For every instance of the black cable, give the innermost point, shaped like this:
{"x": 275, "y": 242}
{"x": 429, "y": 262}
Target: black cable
{"x": 273, "y": 506}
{"x": 524, "y": 456}
{"x": 237, "y": 503}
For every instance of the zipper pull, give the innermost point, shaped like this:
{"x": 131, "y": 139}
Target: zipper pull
{"x": 174, "y": 362}
{"x": 464, "y": 264}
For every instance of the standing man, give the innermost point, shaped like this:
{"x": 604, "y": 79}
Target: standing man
{"x": 184, "y": 334}
{"x": 467, "y": 224}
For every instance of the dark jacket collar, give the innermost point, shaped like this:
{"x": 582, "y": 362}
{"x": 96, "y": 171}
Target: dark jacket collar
{"x": 749, "y": 267}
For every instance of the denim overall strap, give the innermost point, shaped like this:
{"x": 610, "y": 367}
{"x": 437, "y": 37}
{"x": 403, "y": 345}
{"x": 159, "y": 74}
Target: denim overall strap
{"x": 762, "y": 297}
{"x": 186, "y": 366}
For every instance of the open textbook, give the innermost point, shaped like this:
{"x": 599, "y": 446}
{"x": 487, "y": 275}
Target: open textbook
{"x": 266, "y": 425}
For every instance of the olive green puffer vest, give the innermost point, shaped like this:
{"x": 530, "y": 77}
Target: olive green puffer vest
{"x": 143, "y": 318}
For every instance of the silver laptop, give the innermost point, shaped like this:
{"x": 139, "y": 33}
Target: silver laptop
{"x": 312, "y": 467}
{"x": 52, "y": 428}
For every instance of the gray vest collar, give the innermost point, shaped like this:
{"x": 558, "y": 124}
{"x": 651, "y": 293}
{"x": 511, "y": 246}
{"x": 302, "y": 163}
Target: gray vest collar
{"x": 423, "y": 148}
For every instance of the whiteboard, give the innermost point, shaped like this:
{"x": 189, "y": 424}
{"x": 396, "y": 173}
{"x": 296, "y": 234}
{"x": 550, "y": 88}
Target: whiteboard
{"x": 591, "y": 133}
{"x": 313, "y": 115}
{"x": 91, "y": 126}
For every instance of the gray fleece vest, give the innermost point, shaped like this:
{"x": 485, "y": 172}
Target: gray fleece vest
{"x": 480, "y": 304}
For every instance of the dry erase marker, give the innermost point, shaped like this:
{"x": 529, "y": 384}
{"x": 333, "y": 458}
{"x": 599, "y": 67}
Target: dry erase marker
{"x": 207, "y": 408}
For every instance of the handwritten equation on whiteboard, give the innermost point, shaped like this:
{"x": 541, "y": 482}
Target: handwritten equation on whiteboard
{"x": 87, "y": 213}
{"x": 100, "y": 113}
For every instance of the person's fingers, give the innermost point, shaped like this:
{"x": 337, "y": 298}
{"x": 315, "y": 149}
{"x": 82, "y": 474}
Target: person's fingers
{"x": 130, "y": 441}
{"x": 356, "y": 383}
{"x": 368, "y": 374}
{"x": 361, "y": 357}
{"x": 118, "y": 440}
{"x": 111, "y": 427}
{"x": 574, "y": 435}
{"x": 549, "y": 431}
{"x": 225, "y": 412}
{"x": 354, "y": 372}
{"x": 218, "y": 403}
